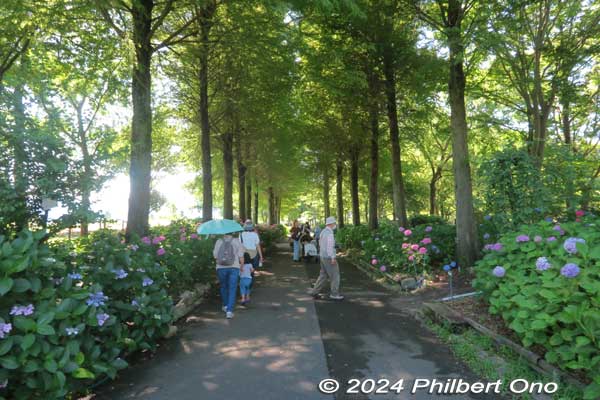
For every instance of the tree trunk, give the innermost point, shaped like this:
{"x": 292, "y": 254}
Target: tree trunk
{"x": 272, "y": 216}
{"x": 326, "y": 203}
{"x": 432, "y": 196}
{"x": 339, "y": 192}
{"x": 399, "y": 196}
{"x": 374, "y": 121}
{"x": 241, "y": 169}
{"x": 354, "y": 185}
{"x": 566, "y": 123}
{"x": 256, "y": 203}
{"x": 86, "y": 183}
{"x": 278, "y": 202}
{"x": 249, "y": 196}
{"x": 466, "y": 226}
{"x": 227, "y": 138}
{"x": 206, "y": 15}
{"x": 141, "y": 128}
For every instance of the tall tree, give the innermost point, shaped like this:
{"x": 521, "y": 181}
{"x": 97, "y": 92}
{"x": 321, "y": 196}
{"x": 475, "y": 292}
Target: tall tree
{"x": 146, "y": 23}
{"x": 449, "y": 21}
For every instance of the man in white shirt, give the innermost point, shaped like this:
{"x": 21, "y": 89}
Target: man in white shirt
{"x": 329, "y": 266}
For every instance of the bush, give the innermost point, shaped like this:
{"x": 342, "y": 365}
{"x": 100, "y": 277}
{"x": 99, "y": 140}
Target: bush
{"x": 52, "y": 337}
{"x": 544, "y": 280}
{"x": 270, "y": 235}
{"x": 400, "y": 250}
{"x": 427, "y": 220}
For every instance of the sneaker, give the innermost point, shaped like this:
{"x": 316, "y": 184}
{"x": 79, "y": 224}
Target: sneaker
{"x": 224, "y": 308}
{"x": 229, "y": 315}
{"x": 336, "y": 297}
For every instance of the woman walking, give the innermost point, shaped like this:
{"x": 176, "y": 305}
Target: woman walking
{"x": 229, "y": 255}
{"x": 295, "y": 235}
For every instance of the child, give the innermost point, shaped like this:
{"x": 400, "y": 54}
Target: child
{"x": 246, "y": 278}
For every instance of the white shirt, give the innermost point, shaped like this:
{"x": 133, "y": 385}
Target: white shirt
{"x": 250, "y": 240}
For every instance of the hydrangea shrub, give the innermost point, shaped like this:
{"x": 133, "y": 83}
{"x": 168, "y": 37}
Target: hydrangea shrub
{"x": 548, "y": 290}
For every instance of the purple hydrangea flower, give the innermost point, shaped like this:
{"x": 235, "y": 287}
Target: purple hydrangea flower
{"x": 537, "y": 239}
{"x": 22, "y": 310}
{"x": 135, "y": 303}
{"x": 96, "y": 299}
{"x": 383, "y": 268}
{"x": 4, "y": 384}
{"x": 499, "y": 271}
{"x": 570, "y": 270}
{"x": 559, "y": 229}
{"x": 120, "y": 274}
{"x": 542, "y": 264}
{"x": 4, "y": 330}
{"x": 494, "y": 247}
{"x": 72, "y": 331}
{"x": 75, "y": 276}
{"x": 551, "y": 239}
{"x": 146, "y": 240}
{"x": 522, "y": 238}
{"x": 160, "y": 251}
{"x": 102, "y": 318}
{"x": 147, "y": 282}
{"x": 570, "y": 244}
{"x": 428, "y": 229}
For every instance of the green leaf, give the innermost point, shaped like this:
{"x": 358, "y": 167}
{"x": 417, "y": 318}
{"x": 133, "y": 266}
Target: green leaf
{"x": 592, "y": 391}
{"x": 119, "y": 363}
{"x": 5, "y": 345}
{"x": 5, "y": 285}
{"x": 46, "y": 318}
{"x": 539, "y": 324}
{"x": 582, "y": 341}
{"x": 31, "y": 366}
{"x": 36, "y": 284}
{"x": 24, "y": 324}
{"x": 28, "y": 341}
{"x": 45, "y": 330}
{"x": 21, "y": 285}
{"x": 9, "y": 362}
{"x": 82, "y": 373}
{"x": 50, "y": 365}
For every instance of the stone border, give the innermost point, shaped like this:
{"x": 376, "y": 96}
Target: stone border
{"x": 441, "y": 312}
{"x": 189, "y": 300}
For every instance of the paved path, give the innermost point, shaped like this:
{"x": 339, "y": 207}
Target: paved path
{"x": 286, "y": 342}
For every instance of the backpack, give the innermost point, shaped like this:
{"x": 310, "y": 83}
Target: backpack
{"x": 226, "y": 254}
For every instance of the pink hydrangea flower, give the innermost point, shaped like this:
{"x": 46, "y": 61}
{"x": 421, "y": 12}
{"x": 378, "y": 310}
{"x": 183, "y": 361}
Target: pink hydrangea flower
{"x": 374, "y": 261}
{"x": 405, "y": 245}
{"x": 382, "y": 268}
{"x": 423, "y": 250}
{"x": 415, "y": 247}
{"x": 411, "y": 258}
{"x": 579, "y": 213}
{"x": 426, "y": 240}
{"x": 407, "y": 232}
{"x": 160, "y": 251}
{"x": 193, "y": 236}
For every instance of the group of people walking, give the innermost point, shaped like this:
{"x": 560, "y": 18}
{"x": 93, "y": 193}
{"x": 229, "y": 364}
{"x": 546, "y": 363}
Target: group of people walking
{"x": 237, "y": 259}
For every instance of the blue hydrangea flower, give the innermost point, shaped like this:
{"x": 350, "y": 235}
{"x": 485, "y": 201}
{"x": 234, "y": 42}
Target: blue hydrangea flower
{"x": 75, "y": 276}
{"x": 542, "y": 264}
{"x": 486, "y": 236}
{"x": 147, "y": 282}
{"x": 96, "y": 299}
{"x": 447, "y": 268}
{"x": 570, "y": 270}
{"x": 102, "y": 318}
{"x": 22, "y": 310}
{"x": 135, "y": 303}
{"x": 453, "y": 264}
{"x": 5, "y": 330}
{"x": 499, "y": 271}
{"x": 487, "y": 217}
{"x": 548, "y": 219}
{"x": 120, "y": 273}
{"x": 570, "y": 244}
{"x": 72, "y": 331}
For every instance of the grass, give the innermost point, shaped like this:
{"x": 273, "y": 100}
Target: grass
{"x": 469, "y": 345}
